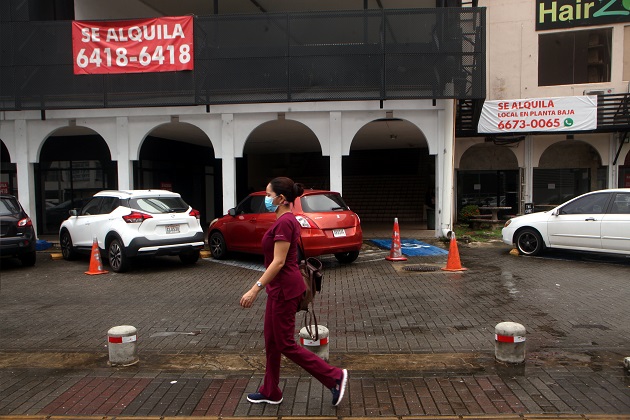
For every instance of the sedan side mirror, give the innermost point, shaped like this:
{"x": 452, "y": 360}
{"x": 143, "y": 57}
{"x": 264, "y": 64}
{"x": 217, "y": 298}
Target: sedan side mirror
{"x": 73, "y": 212}
{"x": 232, "y": 212}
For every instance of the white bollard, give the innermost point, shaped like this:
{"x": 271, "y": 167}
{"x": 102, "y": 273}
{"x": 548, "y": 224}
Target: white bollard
{"x": 320, "y": 346}
{"x": 123, "y": 345}
{"x": 509, "y": 344}
{"x": 626, "y": 363}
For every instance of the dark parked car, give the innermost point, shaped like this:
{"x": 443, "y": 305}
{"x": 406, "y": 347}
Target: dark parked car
{"x": 17, "y": 236}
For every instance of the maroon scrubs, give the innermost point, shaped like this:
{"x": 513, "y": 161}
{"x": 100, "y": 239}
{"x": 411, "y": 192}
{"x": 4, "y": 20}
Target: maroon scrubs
{"x": 284, "y": 294}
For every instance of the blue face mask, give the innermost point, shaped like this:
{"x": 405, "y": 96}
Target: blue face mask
{"x": 269, "y": 204}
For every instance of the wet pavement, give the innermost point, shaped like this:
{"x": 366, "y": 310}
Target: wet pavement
{"x": 416, "y": 343}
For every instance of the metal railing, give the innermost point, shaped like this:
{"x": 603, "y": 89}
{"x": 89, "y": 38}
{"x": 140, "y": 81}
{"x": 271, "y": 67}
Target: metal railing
{"x": 286, "y": 57}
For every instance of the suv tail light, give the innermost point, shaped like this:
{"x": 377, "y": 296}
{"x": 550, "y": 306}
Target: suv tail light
{"x": 25, "y": 222}
{"x": 194, "y": 213}
{"x": 136, "y": 217}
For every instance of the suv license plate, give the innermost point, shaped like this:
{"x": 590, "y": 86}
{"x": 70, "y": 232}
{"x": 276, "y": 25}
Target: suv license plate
{"x": 172, "y": 228}
{"x": 337, "y": 233}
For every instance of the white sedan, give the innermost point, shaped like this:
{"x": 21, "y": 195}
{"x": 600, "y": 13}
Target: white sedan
{"x": 598, "y": 221}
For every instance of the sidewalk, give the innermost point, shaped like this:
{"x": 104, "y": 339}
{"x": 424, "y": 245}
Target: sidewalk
{"x": 415, "y": 344}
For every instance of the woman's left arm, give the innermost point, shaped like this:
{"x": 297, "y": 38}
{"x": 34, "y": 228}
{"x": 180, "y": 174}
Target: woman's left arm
{"x": 280, "y": 251}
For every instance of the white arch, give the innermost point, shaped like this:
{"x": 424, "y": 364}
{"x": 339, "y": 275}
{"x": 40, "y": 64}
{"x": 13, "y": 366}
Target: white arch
{"x": 139, "y": 141}
{"x": 481, "y": 144}
{"x": 7, "y": 136}
{"x": 542, "y": 143}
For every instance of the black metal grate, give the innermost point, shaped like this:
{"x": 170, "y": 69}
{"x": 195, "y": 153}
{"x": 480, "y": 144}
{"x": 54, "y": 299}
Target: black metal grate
{"x": 354, "y": 55}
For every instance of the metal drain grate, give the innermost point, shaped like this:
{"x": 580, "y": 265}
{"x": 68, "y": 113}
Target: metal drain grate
{"x": 420, "y": 268}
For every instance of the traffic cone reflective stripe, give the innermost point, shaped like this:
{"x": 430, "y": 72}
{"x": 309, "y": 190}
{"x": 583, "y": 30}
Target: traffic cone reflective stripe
{"x": 96, "y": 265}
{"x": 395, "y": 253}
{"x": 453, "y": 263}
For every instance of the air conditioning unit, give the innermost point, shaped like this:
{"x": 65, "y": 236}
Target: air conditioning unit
{"x": 606, "y": 91}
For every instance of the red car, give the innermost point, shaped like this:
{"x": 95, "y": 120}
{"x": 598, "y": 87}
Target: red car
{"x": 328, "y": 226}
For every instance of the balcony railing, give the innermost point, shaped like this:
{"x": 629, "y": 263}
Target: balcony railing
{"x": 323, "y": 56}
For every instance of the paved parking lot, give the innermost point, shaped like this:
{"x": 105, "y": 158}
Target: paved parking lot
{"x": 416, "y": 343}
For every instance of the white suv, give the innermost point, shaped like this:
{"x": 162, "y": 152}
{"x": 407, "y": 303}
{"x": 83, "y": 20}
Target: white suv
{"x": 133, "y": 223}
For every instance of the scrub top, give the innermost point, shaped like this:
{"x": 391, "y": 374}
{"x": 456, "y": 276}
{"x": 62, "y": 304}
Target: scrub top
{"x": 288, "y": 283}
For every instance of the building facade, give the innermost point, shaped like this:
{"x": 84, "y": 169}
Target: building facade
{"x": 551, "y": 49}
{"x": 365, "y": 108}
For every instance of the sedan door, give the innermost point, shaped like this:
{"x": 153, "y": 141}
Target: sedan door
{"x": 616, "y": 225}
{"x": 240, "y": 232}
{"x": 577, "y": 225}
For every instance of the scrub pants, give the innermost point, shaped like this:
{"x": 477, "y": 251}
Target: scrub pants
{"x": 280, "y": 339}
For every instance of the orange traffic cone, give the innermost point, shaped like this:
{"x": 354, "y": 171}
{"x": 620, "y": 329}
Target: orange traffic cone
{"x": 395, "y": 254}
{"x": 453, "y": 263}
{"x": 96, "y": 265}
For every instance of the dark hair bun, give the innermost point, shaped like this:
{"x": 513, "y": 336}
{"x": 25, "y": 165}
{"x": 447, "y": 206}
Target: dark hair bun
{"x": 298, "y": 189}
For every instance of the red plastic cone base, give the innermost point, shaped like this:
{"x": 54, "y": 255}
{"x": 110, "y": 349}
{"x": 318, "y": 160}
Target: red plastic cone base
{"x": 453, "y": 263}
{"x": 96, "y": 265}
{"x": 395, "y": 253}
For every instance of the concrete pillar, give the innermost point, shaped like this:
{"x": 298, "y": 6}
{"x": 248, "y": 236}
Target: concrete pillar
{"x": 335, "y": 139}
{"x": 319, "y": 346}
{"x": 123, "y": 345}
{"x": 125, "y": 172}
{"x": 228, "y": 162}
{"x": 528, "y": 176}
{"x": 25, "y": 171}
{"x": 444, "y": 168}
{"x": 509, "y": 342}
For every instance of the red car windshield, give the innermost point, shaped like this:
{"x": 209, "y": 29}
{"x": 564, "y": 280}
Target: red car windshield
{"x": 318, "y": 203}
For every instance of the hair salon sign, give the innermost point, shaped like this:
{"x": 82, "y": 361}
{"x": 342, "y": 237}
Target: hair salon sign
{"x": 555, "y": 14}
{"x": 569, "y": 113}
{"x": 133, "y": 46}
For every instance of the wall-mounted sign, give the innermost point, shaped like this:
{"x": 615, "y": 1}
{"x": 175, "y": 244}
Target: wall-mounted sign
{"x": 569, "y": 113}
{"x": 554, "y": 14}
{"x": 133, "y": 46}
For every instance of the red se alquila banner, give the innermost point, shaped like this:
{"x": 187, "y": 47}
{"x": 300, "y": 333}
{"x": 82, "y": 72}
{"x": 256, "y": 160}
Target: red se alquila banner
{"x": 133, "y": 46}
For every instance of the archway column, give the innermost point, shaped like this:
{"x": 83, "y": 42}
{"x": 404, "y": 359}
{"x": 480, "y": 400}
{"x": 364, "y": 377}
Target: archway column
{"x": 336, "y": 170}
{"x": 25, "y": 171}
{"x": 613, "y": 170}
{"x": 228, "y": 162}
{"x": 444, "y": 168}
{"x": 528, "y": 176}
{"x": 125, "y": 164}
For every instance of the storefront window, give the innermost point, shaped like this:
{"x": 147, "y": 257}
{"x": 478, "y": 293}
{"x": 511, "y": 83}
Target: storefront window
{"x": 574, "y": 57}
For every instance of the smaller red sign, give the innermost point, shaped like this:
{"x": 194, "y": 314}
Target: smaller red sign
{"x": 168, "y": 186}
{"x": 627, "y": 180}
{"x": 4, "y": 187}
{"x": 133, "y": 46}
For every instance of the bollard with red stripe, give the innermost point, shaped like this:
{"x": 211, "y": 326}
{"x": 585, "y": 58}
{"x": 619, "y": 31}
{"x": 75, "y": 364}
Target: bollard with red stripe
{"x": 319, "y": 346}
{"x": 509, "y": 342}
{"x": 122, "y": 342}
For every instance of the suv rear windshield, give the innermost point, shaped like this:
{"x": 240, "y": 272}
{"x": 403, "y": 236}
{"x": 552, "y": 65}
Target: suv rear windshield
{"x": 322, "y": 202}
{"x": 8, "y": 206}
{"x": 159, "y": 204}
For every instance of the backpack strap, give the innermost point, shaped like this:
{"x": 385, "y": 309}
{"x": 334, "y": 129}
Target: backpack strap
{"x": 310, "y": 321}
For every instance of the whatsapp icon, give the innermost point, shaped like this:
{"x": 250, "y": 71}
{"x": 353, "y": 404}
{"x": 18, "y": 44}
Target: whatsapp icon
{"x": 568, "y": 122}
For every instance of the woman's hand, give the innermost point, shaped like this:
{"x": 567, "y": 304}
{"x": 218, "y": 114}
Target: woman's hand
{"x": 248, "y": 298}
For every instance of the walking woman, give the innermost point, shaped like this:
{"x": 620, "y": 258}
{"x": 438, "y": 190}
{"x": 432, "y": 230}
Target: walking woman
{"x": 283, "y": 283}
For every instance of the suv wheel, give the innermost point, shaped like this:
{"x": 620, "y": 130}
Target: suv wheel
{"x": 118, "y": 261}
{"x": 218, "y": 246}
{"x": 65, "y": 242}
{"x": 189, "y": 258}
{"x": 28, "y": 260}
{"x": 347, "y": 257}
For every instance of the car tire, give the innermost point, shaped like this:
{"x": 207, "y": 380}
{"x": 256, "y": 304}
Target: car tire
{"x": 189, "y": 258}
{"x": 218, "y": 248}
{"x": 347, "y": 257}
{"x": 28, "y": 260}
{"x": 529, "y": 242}
{"x": 118, "y": 260}
{"x": 67, "y": 250}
